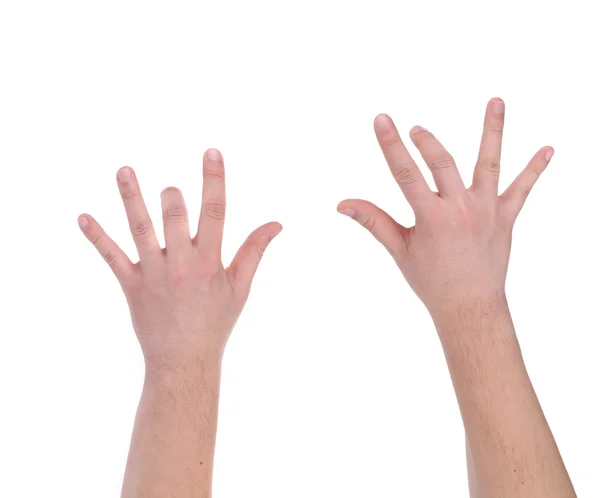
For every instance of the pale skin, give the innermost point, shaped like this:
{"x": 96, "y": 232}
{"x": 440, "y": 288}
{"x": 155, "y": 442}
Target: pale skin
{"x": 184, "y": 304}
{"x": 455, "y": 258}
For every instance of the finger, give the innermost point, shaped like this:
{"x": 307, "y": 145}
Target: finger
{"x": 212, "y": 214}
{"x": 383, "y": 227}
{"x": 137, "y": 214}
{"x": 244, "y": 264}
{"x": 175, "y": 220}
{"x": 405, "y": 171}
{"x": 440, "y": 162}
{"x": 118, "y": 261}
{"x": 487, "y": 169}
{"x": 517, "y": 192}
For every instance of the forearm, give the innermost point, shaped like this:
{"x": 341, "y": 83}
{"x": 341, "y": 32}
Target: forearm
{"x": 510, "y": 448}
{"x": 184, "y": 304}
{"x": 172, "y": 446}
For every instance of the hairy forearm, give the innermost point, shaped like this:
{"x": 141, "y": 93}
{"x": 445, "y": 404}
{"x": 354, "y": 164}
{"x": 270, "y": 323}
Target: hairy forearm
{"x": 510, "y": 448}
{"x": 172, "y": 446}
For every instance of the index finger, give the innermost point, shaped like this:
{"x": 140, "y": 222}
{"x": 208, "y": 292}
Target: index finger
{"x": 403, "y": 167}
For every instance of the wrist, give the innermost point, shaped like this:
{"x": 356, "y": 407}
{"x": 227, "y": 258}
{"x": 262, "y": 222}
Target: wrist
{"x": 453, "y": 312}
{"x": 189, "y": 371}
{"x": 479, "y": 342}
{"x": 473, "y": 319}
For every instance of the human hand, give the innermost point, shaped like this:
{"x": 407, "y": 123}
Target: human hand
{"x": 457, "y": 252}
{"x": 183, "y": 302}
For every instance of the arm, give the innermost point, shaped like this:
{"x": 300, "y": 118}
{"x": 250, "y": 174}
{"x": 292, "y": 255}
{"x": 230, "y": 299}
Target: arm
{"x": 455, "y": 258}
{"x": 510, "y": 448}
{"x": 173, "y": 440}
{"x": 183, "y": 304}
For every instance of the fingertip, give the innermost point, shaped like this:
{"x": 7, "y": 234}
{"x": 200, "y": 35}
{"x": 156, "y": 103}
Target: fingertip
{"x": 170, "y": 191}
{"x": 268, "y": 231}
{"x": 213, "y": 165}
{"x": 347, "y": 208}
{"x": 350, "y": 213}
{"x": 275, "y": 230}
{"x": 83, "y": 221}
{"x": 497, "y": 106}
{"x": 341, "y": 205}
{"x": 417, "y": 129}
{"x": 548, "y": 153}
{"x": 213, "y": 155}
{"x": 382, "y": 122}
{"x": 125, "y": 174}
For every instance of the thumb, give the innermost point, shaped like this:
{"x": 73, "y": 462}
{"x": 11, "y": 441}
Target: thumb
{"x": 244, "y": 264}
{"x": 383, "y": 227}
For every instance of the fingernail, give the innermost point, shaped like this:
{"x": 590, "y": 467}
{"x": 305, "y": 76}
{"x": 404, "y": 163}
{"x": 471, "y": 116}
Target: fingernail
{"x": 82, "y": 221}
{"x": 348, "y": 212}
{"x": 382, "y": 122}
{"x": 274, "y": 233}
{"x": 498, "y": 107}
{"x": 417, "y": 129}
{"x": 124, "y": 175}
{"x": 213, "y": 155}
{"x": 549, "y": 154}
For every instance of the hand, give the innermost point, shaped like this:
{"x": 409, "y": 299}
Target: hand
{"x": 183, "y": 302}
{"x": 458, "y": 250}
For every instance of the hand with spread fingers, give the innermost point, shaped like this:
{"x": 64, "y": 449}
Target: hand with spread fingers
{"x": 183, "y": 301}
{"x": 455, "y": 258}
{"x": 183, "y": 304}
{"x": 458, "y": 248}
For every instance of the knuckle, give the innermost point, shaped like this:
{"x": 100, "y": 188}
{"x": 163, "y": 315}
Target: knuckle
{"x": 109, "y": 257}
{"x": 406, "y": 174}
{"x": 175, "y": 214}
{"x": 260, "y": 251}
{"x": 209, "y": 266}
{"x": 128, "y": 194}
{"x": 97, "y": 239}
{"x": 369, "y": 224}
{"x": 140, "y": 229}
{"x": 496, "y": 127}
{"x": 178, "y": 275}
{"x": 215, "y": 210}
{"x": 215, "y": 171}
{"x": 490, "y": 165}
{"x": 442, "y": 163}
{"x": 391, "y": 141}
{"x": 134, "y": 285}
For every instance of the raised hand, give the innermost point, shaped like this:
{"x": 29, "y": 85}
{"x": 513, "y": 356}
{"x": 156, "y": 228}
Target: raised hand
{"x": 456, "y": 258}
{"x": 182, "y": 300}
{"x": 183, "y": 304}
{"x": 458, "y": 249}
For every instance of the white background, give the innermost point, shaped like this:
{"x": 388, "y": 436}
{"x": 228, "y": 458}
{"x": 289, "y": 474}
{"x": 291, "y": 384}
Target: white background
{"x": 334, "y": 381}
